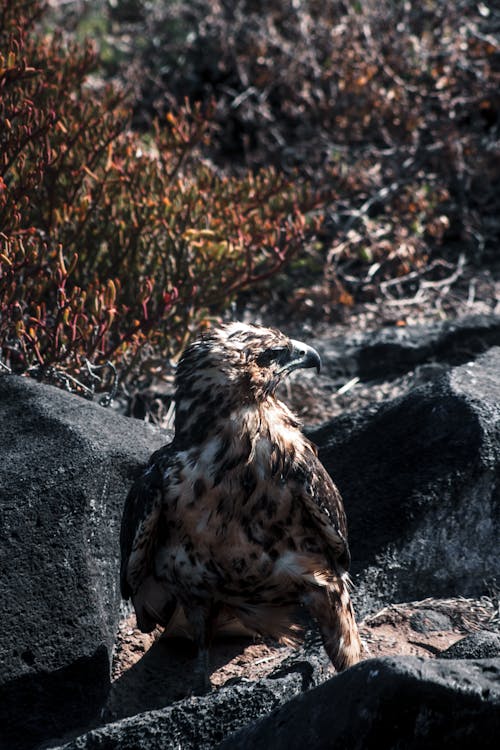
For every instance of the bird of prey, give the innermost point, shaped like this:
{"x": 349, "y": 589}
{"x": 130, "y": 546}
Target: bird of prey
{"x": 237, "y": 514}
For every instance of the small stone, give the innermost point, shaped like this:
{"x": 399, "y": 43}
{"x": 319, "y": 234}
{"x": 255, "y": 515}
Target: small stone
{"x": 428, "y": 621}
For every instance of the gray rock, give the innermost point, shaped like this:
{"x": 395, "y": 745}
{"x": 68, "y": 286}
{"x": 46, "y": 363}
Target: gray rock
{"x": 66, "y": 465}
{"x": 199, "y": 723}
{"x": 390, "y": 703}
{"x": 428, "y": 621}
{"x": 481, "y": 645}
{"x": 421, "y": 481}
{"x": 389, "y": 352}
{"x": 420, "y": 478}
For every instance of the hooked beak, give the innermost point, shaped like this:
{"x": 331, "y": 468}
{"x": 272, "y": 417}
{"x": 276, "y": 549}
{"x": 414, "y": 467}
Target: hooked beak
{"x": 302, "y": 356}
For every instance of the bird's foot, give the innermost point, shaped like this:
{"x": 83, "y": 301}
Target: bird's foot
{"x": 202, "y": 685}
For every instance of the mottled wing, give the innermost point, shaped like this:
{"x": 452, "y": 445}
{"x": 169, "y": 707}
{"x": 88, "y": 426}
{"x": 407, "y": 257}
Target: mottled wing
{"x": 323, "y": 503}
{"x": 141, "y": 531}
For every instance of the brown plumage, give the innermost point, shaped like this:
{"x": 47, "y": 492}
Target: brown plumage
{"x": 237, "y": 515}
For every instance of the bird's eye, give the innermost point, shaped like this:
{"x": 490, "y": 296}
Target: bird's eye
{"x": 275, "y": 354}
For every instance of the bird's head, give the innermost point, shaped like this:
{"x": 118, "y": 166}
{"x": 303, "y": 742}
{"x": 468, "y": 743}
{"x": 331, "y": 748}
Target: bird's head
{"x": 236, "y": 364}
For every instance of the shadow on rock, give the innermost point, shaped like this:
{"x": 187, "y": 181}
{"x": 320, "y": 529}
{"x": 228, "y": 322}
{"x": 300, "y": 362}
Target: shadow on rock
{"x": 27, "y": 714}
{"x": 165, "y": 674}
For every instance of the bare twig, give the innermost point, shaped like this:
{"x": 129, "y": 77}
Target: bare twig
{"x": 472, "y": 293}
{"x": 423, "y": 283}
{"x": 380, "y": 195}
{"x": 106, "y": 398}
{"x": 449, "y": 279}
{"x": 347, "y": 386}
{"x": 170, "y": 416}
{"x": 73, "y": 385}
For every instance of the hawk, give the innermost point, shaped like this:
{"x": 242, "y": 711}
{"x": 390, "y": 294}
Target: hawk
{"x": 237, "y": 515}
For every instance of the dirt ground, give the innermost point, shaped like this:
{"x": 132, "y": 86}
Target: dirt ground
{"x": 154, "y": 670}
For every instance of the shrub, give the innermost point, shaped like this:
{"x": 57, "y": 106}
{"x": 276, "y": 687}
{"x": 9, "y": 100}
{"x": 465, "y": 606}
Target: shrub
{"x": 394, "y": 105}
{"x": 115, "y": 246}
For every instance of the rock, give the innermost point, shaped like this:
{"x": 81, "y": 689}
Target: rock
{"x": 427, "y": 621}
{"x": 390, "y": 703}
{"x": 199, "y": 723}
{"x": 389, "y": 352}
{"x": 420, "y": 478}
{"x": 66, "y": 467}
{"x": 482, "y": 645}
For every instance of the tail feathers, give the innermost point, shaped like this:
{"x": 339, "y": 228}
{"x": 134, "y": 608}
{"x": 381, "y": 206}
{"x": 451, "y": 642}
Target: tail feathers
{"x": 247, "y": 621}
{"x": 332, "y": 609}
{"x": 275, "y": 622}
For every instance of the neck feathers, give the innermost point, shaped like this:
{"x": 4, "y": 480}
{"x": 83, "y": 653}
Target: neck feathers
{"x": 198, "y": 419}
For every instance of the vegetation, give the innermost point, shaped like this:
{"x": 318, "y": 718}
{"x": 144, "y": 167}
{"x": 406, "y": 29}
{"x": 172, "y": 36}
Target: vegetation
{"x": 249, "y": 128}
{"x": 114, "y": 246}
{"x": 395, "y": 106}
